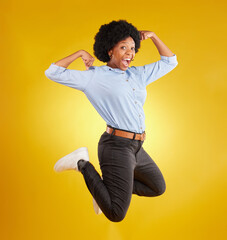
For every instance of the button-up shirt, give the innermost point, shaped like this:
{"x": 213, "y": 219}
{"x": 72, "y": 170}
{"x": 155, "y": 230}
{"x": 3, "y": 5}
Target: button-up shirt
{"x": 117, "y": 95}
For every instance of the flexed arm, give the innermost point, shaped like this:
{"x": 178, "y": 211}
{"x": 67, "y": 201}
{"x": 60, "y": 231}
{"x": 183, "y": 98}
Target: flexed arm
{"x": 59, "y": 73}
{"x": 162, "y": 48}
{"x": 86, "y": 57}
{"x": 167, "y": 63}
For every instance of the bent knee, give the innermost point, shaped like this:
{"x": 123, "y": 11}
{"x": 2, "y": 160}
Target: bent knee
{"x": 116, "y": 219}
{"x": 117, "y": 216}
{"x": 161, "y": 189}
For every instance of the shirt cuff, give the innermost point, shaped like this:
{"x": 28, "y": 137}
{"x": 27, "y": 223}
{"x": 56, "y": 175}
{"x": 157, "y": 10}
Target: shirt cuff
{"x": 171, "y": 60}
{"x": 53, "y": 70}
{"x": 53, "y": 65}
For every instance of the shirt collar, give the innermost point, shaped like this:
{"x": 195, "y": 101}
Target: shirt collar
{"x": 107, "y": 68}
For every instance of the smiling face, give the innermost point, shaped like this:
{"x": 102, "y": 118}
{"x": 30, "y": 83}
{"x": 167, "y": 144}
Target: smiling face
{"x": 122, "y": 54}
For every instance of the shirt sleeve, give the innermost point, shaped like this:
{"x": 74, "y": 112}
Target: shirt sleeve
{"x": 71, "y": 78}
{"x": 156, "y": 70}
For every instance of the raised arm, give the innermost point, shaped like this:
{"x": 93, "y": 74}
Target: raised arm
{"x": 162, "y": 48}
{"x": 153, "y": 71}
{"x": 86, "y": 57}
{"x": 59, "y": 73}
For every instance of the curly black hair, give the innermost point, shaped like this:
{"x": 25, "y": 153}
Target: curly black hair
{"x": 110, "y": 34}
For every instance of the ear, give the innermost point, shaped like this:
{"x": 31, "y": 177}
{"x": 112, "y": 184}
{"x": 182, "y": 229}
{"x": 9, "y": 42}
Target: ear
{"x": 110, "y": 52}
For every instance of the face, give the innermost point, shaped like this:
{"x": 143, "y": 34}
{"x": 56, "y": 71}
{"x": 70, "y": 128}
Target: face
{"x": 122, "y": 54}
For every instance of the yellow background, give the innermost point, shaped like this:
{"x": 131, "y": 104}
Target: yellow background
{"x": 42, "y": 121}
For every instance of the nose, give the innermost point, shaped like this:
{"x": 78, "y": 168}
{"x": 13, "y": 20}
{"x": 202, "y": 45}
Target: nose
{"x": 129, "y": 52}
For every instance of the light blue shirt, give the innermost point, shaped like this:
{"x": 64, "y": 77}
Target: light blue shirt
{"x": 117, "y": 95}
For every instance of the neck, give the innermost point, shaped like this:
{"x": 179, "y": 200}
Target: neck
{"x": 109, "y": 64}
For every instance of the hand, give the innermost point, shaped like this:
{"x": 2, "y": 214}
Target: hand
{"x": 146, "y": 34}
{"x": 87, "y": 59}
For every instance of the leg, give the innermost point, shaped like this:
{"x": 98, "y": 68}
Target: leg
{"x": 117, "y": 162}
{"x": 148, "y": 179}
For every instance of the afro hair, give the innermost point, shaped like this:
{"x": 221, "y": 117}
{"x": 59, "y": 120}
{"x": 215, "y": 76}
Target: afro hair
{"x": 110, "y": 34}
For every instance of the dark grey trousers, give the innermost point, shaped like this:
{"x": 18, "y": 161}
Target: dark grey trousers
{"x": 126, "y": 169}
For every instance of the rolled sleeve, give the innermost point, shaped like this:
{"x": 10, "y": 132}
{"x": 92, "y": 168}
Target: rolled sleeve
{"x": 156, "y": 70}
{"x": 71, "y": 78}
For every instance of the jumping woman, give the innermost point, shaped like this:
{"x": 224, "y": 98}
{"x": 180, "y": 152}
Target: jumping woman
{"x": 118, "y": 92}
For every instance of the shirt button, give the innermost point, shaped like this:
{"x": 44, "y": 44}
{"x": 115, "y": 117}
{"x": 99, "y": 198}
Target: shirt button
{"x": 126, "y": 80}
{"x": 141, "y": 128}
{"x": 135, "y": 102}
{"x": 133, "y": 89}
{"x": 139, "y": 115}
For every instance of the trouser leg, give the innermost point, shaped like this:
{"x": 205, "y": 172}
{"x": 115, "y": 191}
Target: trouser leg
{"x": 117, "y": 162}
{"x": 148, "y": 179}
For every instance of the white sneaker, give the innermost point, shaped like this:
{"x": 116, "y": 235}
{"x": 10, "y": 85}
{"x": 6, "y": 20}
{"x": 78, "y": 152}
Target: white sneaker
{"x": 96, "y": 207}
{"x": 69, "y": 162}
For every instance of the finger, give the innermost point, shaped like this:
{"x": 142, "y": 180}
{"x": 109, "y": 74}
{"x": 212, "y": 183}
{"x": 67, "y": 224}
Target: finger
{"x": 86, "y": 65}
{"x": 142, "y": 37}
{"x": 89, "y": 64}
{"x": 92, "y": 60}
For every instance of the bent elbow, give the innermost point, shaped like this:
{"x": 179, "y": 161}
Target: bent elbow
{"x": 47, "y": 73}
{"x": 50, "y": 75}
{"x": 176, "y": 63}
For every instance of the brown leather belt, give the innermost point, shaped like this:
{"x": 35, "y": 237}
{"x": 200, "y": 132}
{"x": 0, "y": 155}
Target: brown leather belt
{"x": 126, "y": 134}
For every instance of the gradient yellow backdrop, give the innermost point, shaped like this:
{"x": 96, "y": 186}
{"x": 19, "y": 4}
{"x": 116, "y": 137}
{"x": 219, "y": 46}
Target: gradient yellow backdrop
{"x": 42, "y": 121}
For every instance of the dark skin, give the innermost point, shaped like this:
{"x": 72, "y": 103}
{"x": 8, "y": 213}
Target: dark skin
{"x": 121, "y": 54}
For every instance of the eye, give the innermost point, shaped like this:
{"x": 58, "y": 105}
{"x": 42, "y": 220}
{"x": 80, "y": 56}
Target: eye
{"x": 123, "y": 47}
{"x": 133, "y": 48}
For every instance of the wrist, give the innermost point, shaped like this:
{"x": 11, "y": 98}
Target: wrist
{"x": 153, "y": 36}
{"x": 80, "y": 53}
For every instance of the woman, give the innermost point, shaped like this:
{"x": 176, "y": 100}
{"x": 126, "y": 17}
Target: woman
{"x": 118, "y": 93}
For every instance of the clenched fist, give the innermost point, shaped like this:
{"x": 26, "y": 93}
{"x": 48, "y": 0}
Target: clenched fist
{"x": 146, "y": 34}
{"x": 87, "y": 59}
